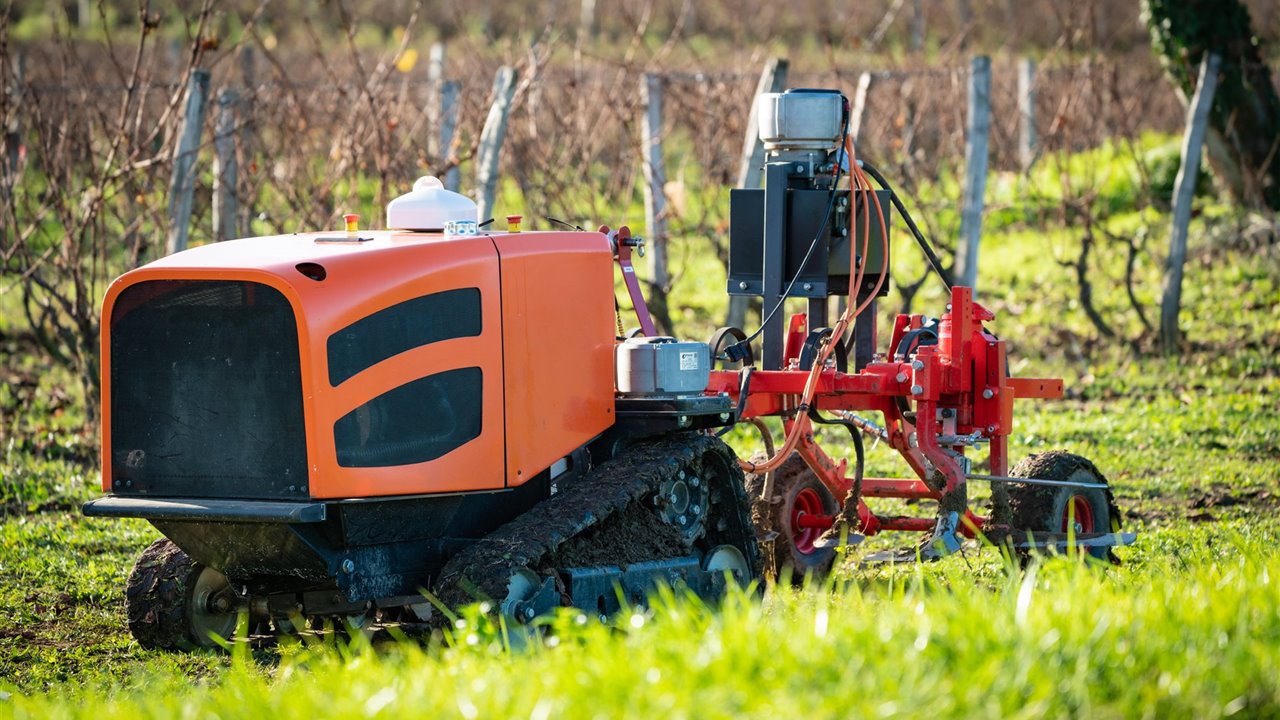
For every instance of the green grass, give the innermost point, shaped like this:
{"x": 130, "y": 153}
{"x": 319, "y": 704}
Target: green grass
{"x": 1188, "y": 626}
{"x": 1060, "y": 640}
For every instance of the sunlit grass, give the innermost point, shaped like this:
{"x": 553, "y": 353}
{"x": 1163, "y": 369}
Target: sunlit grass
{"x": 1198, "y": 637}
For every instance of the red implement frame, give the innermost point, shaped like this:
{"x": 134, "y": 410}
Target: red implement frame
{"x": 622, "y": 242}
{"x": 957, "y": 388}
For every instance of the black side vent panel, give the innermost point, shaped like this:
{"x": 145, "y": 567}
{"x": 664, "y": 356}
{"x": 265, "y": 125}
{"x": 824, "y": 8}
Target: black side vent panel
{"x": 414, "y": 423}
{"x": 403, "y": 326}
{"x": 206, "y": 392}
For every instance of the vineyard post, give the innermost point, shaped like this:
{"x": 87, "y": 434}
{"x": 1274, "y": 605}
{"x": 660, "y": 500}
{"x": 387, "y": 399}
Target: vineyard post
{"x": 655, "y": 199}
{"x": 225, "y": 186}
{"x": 246, "y": 146}
{"x": 859, "y": 107}
{"x": 435, "y": 99}
{"x": 248, "y": 68}
{"x": 1184, "y": 189}
{"x": 917, "y": 26}
{"x": 859, "y": 110}
{"x": 772, "y": 79}
{"x": 587, "y": 20}
{"x": 13, "y": 133}
{"x": 182, "y": 186}
{"x": 448, "y": 128}
{"x": 975, "y": 161}
{"x": 491, "y": 137}
{"x": 1027, "y": 150}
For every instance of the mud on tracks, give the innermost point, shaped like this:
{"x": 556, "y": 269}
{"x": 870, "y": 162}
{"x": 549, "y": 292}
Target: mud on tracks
{"x": 601, "y": 519}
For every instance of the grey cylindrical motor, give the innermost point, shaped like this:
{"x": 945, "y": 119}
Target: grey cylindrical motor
{"x": 662, "y": 366}
{"x": 800, "y": 120}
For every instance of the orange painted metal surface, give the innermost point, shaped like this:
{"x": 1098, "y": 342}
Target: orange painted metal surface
{"x": 360, "y": 279}
{"x": 558, "y": 341}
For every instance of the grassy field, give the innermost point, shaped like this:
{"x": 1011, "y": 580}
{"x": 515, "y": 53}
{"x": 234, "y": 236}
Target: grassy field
{"x": 1188, "y": 625}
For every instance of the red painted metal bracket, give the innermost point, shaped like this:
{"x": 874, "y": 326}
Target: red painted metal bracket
{"x": 622, "y": 242}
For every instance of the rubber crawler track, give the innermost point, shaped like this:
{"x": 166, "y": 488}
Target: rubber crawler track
{"x": 535, "y": 538}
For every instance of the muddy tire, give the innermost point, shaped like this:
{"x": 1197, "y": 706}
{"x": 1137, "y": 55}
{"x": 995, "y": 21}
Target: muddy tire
{"x": 165, "y": 601}
{"x": 1060, "y": 509}
{"x": 796, "y": 490}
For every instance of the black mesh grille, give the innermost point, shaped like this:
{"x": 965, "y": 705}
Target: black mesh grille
{"x": 206, "y": 391}
{"x": 416, "y": 422}
{"x": 406, "y": 325}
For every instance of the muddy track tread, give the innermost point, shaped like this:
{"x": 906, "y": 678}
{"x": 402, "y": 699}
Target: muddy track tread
{"x": 156, "y": 596}
{"x": 482, "y": 569}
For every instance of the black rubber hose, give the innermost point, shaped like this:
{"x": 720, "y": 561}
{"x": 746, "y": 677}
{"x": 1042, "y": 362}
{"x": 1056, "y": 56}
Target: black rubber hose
{"x": 744, "y": 390}
{"x": 934, "y": 262}
{"x": 849, "y": 508}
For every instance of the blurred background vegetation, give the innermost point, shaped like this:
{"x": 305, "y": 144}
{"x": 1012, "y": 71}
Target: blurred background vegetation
{"x": 338, "y": 109}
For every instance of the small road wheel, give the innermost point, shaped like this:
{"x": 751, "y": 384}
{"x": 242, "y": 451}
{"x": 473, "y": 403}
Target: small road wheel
{"x": 796, "y": 492}
{"x": 175, "y": 603}
{"x": 1079, "y": 511}
{"x": 728, "y": 559}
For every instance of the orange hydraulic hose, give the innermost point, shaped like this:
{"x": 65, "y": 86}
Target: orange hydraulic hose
{"x": 857, "y": 180}
{"x": 857, "y": 172}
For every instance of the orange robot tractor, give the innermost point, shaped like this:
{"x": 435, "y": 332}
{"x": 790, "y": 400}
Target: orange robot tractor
{"x": 332, "y": 425}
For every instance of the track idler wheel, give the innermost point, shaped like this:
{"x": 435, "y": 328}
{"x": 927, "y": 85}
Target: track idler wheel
{"x": 175, "y": 603}
{"x": 728, "y": 559}
{"x": 528, "y": 596}
{"x": 786, "y": 518}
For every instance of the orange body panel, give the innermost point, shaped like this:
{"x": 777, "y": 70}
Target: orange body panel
{"x": 558, "y": 344}
{"x": 409, "y": 268}
{"x": 545, "y": 347}
{"x": 359, "y": 280}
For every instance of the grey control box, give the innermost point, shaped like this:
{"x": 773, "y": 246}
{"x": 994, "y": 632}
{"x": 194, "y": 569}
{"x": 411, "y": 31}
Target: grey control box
{"x": 662, "y": 366}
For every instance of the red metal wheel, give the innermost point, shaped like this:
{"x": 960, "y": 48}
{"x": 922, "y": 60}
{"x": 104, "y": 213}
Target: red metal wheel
{"x": 1079, "y": 509}
{"x": 798, "y": 509}
{"x": 807, "y": 503}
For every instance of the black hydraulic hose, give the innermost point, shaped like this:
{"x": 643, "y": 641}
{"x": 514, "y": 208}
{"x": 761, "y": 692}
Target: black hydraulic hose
{"x": 934, "y": 262}
{"x": 850, "y": 504}
{"x": 744, "y": 390}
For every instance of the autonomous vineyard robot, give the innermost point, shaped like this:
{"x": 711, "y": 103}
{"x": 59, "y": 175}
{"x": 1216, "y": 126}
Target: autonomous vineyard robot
{"x": 329, "y": 425}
